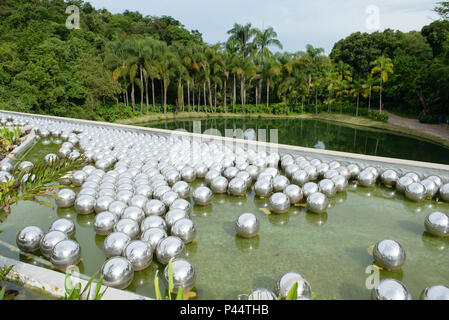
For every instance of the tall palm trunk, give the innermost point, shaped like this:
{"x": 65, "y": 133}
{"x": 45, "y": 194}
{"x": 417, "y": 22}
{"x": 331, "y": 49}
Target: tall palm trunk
{"x": 380, "y": 92}
{"x": 146, "y": 93}
{"x": 259, "y": 97}
{"x": 268, "y": 91}
{"x": 141, "y": 90}
{"x": 215, "y": 93}
{"x": 204, "y": 93}
{"x": 152, "y": 92}
{"x": 224, "y": 93}
{"x": 188, "y": 94}
{"x": 316, "y": 101}
{"x": 132, "y": 96}
{"x": 210, "y": 93}
{"x": 233, "y": 96}
{"x": 165, "y": 96}
{"x": 357, "y": 109}
{"x": 369, "y": 99}
{"x": 257, "y": 94}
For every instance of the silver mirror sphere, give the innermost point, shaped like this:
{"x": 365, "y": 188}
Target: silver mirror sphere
{"x": 184, "y": 275}
{"x": 134, "y": 213}
{"x": 181, "y": 204}
{"x": 341, "y": 183}
{"x": 117, "y": 208}
{"x": 28, "y": 239}
{"x": 286, "y": 282}
{"x": 247, "y": 225}
{"x": 104, "y": 223}
{"x": 317, "y": 203}
{"x": 153, "y": 222}
{"x": 444, "y": 192}
{"x": 117, "y": 272}
{"x": 367, "y": 178}
{"x": 65, "y": 225}
{"x": 155, "y": 207}
{"x": 309, "y": 188}
{"x": 437, "y": 224}
{"x": 279, "y": 203}
{"x": 202, "y": 196}
{"x": 431, "y": 188}
{"x": 66, "y": 198}
{"x": 139, "y": 253}
{"x": 84, "y": 204}
{"x": 115, "y": 243}
{"x": 219, "y": 185}
{"x": 389, "y": 254}
{"x": 168, "y": 248}
{"x": 128, "y": 226}
{"x": 153, "y": 236}
{"x": 49, "y": 240}
{"x": 390, "y": 289}
{"x": 65, "y": 253}
{"x": 174, "y": 215}
{"x": 294, "y": 193}
{"x": 300, "y": 177}
{"x": 415, "y": 191}
{"x": 263, "y": 188}
{"x": 327, "y": 187}
{"x": 437, "y": 292}
{"x": 102, "y": 203}
{"x": 280, "y": 183}
{"x": 184, "y": 229}
{"x": 402, "y": 183}
{"x": 389, "y": 177}
{"x": 182, "y": 188}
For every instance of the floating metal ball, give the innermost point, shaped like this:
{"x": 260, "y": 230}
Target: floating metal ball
{"x": 317, "y": 203}
{"x": 413, "y": 175}
{"x": 169, "y": 197}
{"x": 66, "y": 198}
{"x": 309, "y": 188}
{"x": 182, "y": 188}
{"x": 117, "y": 208}
{"x": 415, "y": 192}
{"x": 245, "y": 176}
{"x": 237, "y": 187}
{"x": 437, "y": 224}
{"x": 159, "y": 192}
{"x": 253, "y": 171}
{"x": 139, "y": 253}
{"x": 262, "y": 294}
{"x": 117, "y": 272}
{"x": 115, "y": 243}
{"x": 367, "y": 178}
{"x": 181, "y": 204}
{"x": 184, "y": 275}
{"x": 294, "y": 193}
{"x": 153, "y": 236}
{"x": 124, "y": 196}
{"x": 154, "y": 207}
{"x": 84, "y": 204}
{"x": 402, "y": 183}
{"x": 153, "y": 222}
{"x": 247, "y": 225}
{"x": 184, "y": 229}
{"x": 279, "y": 183}
{"x": 49, "y": 240}
{"x": 201, "y": 170}
{"x": 64, "y": 225}
{"x": 437, "y": 180}
{"x": 6, "y": 166}
{"x": 354, "y": 169}
{"x": 78, "y": 178}
{"x": 168, "y": 248}
{"x": 65, "y": 253}
{"x": 138, "y": 201}
{"x": 28, "y": 239}
{"x": 437, "y": 292}
{"x": 102, "y": 203}
{"x": 279, "y": 203}
{"x": 230, "y": 173}
{"x": 263, "y": 188}
{"x": 341, "y": 183}
{"x": 104, "y": 223}
{"x": 174, "y": 215}
{"x": 389, "y": 254}
{"x": 202, "y": 196}
{"x": 390, "y": 289}
{"x": 144, "y": 190}
{"x": 321, "y": 169}
{"x": 134, "y": 213}
{"x": 128, "y": 226}
{"x": 211, "y": 175}
{"x": 444, "y": 192}
{"x": 389, "y": 177}
{"x": 50, "y": 158}
{"x": 25, "y": 166}
{"x": 327, "y": 187}
{"x": 431, "y": 188}
{"x": 88, "y": 191}
{"x": 286, "y": 282}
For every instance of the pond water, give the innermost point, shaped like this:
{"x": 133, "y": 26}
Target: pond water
{"x": 323, "y": 135}
{"x": 329, "y": 250}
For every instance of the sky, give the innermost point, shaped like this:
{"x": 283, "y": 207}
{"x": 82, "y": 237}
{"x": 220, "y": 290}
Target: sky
{"x": 297, "y": 22}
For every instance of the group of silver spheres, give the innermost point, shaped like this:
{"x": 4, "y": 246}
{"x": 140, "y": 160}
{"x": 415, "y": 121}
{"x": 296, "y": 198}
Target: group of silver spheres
{"x": 138, "y": 185}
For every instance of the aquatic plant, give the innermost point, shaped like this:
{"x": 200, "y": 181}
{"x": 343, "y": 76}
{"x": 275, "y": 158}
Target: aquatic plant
{"x": 3, "y": 273}
{"x": 35, "y": 184}
{"x": 179, "y": 295}
{"x": 74, "y": 292}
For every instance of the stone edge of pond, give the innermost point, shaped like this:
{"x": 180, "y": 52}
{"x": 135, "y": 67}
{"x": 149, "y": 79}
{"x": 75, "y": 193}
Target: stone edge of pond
{"x": 401, "y": 165}
{"x": 23, "y": 147}
{"x": 51, "y": 282}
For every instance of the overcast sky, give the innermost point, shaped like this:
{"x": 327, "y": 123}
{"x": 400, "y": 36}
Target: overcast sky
{"x": 297, "y": 22}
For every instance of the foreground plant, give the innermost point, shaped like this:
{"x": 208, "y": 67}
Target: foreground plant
{"x": 3, "y": 273}
{"x": 35, "y": 183}
{"x": 179, "y": 295}
{"x": 74, "y": 292}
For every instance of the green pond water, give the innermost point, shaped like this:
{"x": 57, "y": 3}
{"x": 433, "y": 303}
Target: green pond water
{"x": 323, "y": 135}
{"x": 329, "y": 250}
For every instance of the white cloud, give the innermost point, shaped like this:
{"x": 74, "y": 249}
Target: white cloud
{"x": 297, "y": 22}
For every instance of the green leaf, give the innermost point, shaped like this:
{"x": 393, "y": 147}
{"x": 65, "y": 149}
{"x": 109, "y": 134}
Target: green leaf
{"x": 293, "y": 293}
{"x": 156, "y": 286}
{"x": 180, "y": 295}
{"x": 170, "y": 277}
{"x": 2, "y": 292}
{"x": 99, "y": 295}
{"x": 89, "y": 283}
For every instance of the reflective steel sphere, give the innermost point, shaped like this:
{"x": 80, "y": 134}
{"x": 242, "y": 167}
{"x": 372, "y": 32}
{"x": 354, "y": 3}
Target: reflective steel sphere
{"x": 309, "y": 188}
{"x": 65, "y": 253}
{"x": 341, "y": 183}
{"x": 28, "y": 239}
{"x": 279, "y": 203}
{"x": 49, "y": 240}
{"x": 444, "y": 192}
{"x": 138, "y": 201}
{"x": 300, "y": 177}
{"x": 182, "y": 188}
{"x": 390, "y": 289}
{"x": 64, "y": 225}
{"x": 184, "y": 275}
{"x": 78, "y": 178}
{"x": 287, "y": 280}
{"x": 155, "y": 207}
{"x": 117, "y": 272}
{"x": 128, "y": 226}
{"x": 181, "y": 204}
{"x": 184, "y": 229}
{"x": 247, "y": 225}
{"x": 153, "y": 222}
{"x": 139, "y": 253}
{"x": 6, "y": 166}
{"x": 317, "y": 202}
{"x": 415, "y": 191}
{"x": 437, "y": 224}
{"x": 66, "y": 198}
{"x": 169, "y": 197}
{"x": 437, "y": 180}
{"x": 280, "y": 183}
{"x": 174, "y": 215}
{"x": 134, "y": 213}
{"x": 263, "y": 188}
{"x": 219, "y": 185}
{"x": 168, "y": 248}
{"x": 117, "y": 208}
{"x": 437, "y": 292}
{"x": 50, "y": 158}
{"x": 104, "y": 223}
{"x": 202, "y": 196}
{"x": 25, "y": 166}
{"x": 402, "y": 183}
{"x": 103, "y": 203}
{"x": 431, "y": 188}
{"x": 389, "y": 177}
{"x": 354, "y": 169}
{"x": 237, "y": 187}
{"x": 367, "y": 178}
{"x": 389, "y": 254}
{"x": 84, "y": 204}
{"x": 327, "y": 187}
{"x": 294, "y": 193}
{"x": 153, "y": 236}
{"x": 115, "y": 243}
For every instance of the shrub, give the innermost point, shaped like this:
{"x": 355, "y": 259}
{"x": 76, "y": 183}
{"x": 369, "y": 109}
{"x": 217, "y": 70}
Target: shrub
{"x": 378, "y": 116}
{"x": 428, "y": 118}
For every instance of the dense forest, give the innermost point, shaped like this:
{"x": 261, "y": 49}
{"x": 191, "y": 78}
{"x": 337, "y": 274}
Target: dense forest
{"x": 120, "y": 65}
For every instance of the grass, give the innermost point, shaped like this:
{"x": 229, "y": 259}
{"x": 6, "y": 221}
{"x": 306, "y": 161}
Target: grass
{"x": 364, "y": 122}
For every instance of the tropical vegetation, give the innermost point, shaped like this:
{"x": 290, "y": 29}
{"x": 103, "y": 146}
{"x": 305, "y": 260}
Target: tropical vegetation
{"x": 117, "y": 66}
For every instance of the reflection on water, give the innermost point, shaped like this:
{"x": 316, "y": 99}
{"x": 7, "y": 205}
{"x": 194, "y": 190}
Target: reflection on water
{"x": 316, "y": 220}
{"x": 247, "y": 245}
{"x": 279, "y": 219}
{"x": 434, "y": 243}
{"x": 323, "y": 135}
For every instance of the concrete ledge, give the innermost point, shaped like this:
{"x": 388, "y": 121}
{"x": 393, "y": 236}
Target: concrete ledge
{"x": 24, "y": 146}
{"x": 51, "y": 282}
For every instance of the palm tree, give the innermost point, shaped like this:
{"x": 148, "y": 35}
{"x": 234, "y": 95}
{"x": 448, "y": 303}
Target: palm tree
{"x": 151, "y": 71}
{"x": 242, "y": 35}
{"x": 343, "y": 80}
{"x": 357, "y": 90}
{"x": 312, "y": 59}
{"x": 270, "y": 69}
{"x": 383, "y": 66}
{"x": 165, "y": 62}
{"x": 115, "y": 60}
{"x": 369, "y": 86}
